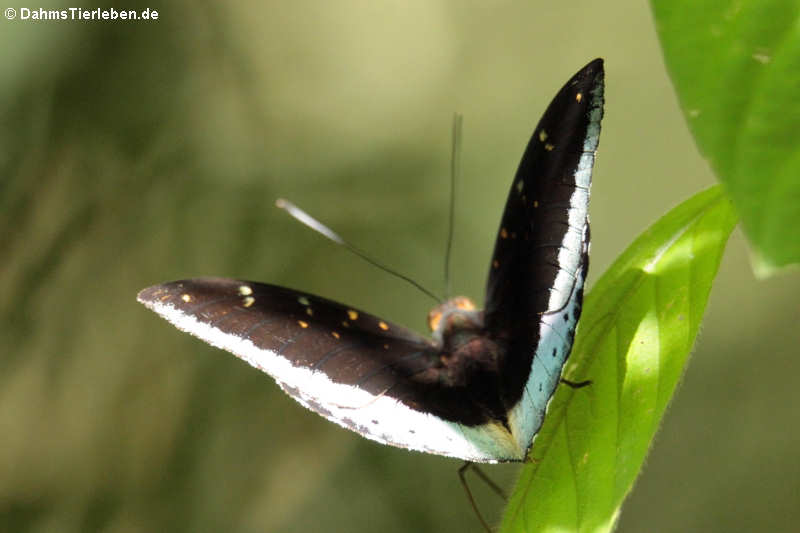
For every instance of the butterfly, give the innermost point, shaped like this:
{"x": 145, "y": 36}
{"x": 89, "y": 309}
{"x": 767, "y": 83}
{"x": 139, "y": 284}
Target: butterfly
{"x": 479, "y": 389}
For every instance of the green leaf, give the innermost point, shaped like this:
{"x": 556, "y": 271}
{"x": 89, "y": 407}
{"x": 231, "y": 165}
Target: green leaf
{"x": 736, "y": 69}
{"x": 638, "y": 327}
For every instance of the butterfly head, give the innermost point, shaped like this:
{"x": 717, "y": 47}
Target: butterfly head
{"x": 456, "y": 314}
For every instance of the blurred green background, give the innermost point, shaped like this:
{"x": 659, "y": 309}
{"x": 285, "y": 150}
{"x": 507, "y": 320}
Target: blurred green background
{"x": 138, "y": 152}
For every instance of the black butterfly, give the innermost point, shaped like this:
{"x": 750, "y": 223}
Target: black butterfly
{"x": 479, "y": 390}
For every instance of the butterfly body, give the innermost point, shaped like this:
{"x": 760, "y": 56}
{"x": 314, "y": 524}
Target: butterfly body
{"x": 479, "y": 389}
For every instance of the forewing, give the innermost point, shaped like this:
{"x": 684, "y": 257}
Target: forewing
{"x": 535, "y": 284}
{"x": 363, "y": 373}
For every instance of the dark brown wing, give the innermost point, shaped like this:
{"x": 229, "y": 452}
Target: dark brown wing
{"x": 535, "y": 286}
{"x": 364, "y": 373}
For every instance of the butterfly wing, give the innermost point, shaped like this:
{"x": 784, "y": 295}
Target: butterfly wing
{"x": 361, "y": 372}
{"x": 535, "y": 286}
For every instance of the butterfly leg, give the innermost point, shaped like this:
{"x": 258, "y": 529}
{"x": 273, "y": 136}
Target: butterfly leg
{"x": 492, "y": 485}
{"x": 576, "y": 384}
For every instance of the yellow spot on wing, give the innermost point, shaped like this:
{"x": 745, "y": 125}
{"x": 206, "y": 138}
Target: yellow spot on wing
{"x": 248, "y": 301}
{"x": 345, "y": 323}
{"x": 579, "y": 97}
{"x": 303, "y": 300}
{"x": 520, "y": 186}
{"x": 335, "y": 335}
{"x": 503, "y": 233}
{"x": 303, "y": 325}
{"x": 352, "y": 314}
{"x": 536, "y": 203}
{"x": 309, "y": 311}
{"x": 543, "y": 136}
{"x": 549, "y": 147}
{"x": 186, "y": 298}
{"x": 245, "y": 290}
{"x": 383, "y": 325}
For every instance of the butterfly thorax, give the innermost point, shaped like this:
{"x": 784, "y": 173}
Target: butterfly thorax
{"x": 465, "y": 352}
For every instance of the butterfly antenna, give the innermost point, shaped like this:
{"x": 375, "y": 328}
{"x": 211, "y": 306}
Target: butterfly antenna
{"x": 319, "y": 227}
{"x": 455, "y": 174}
